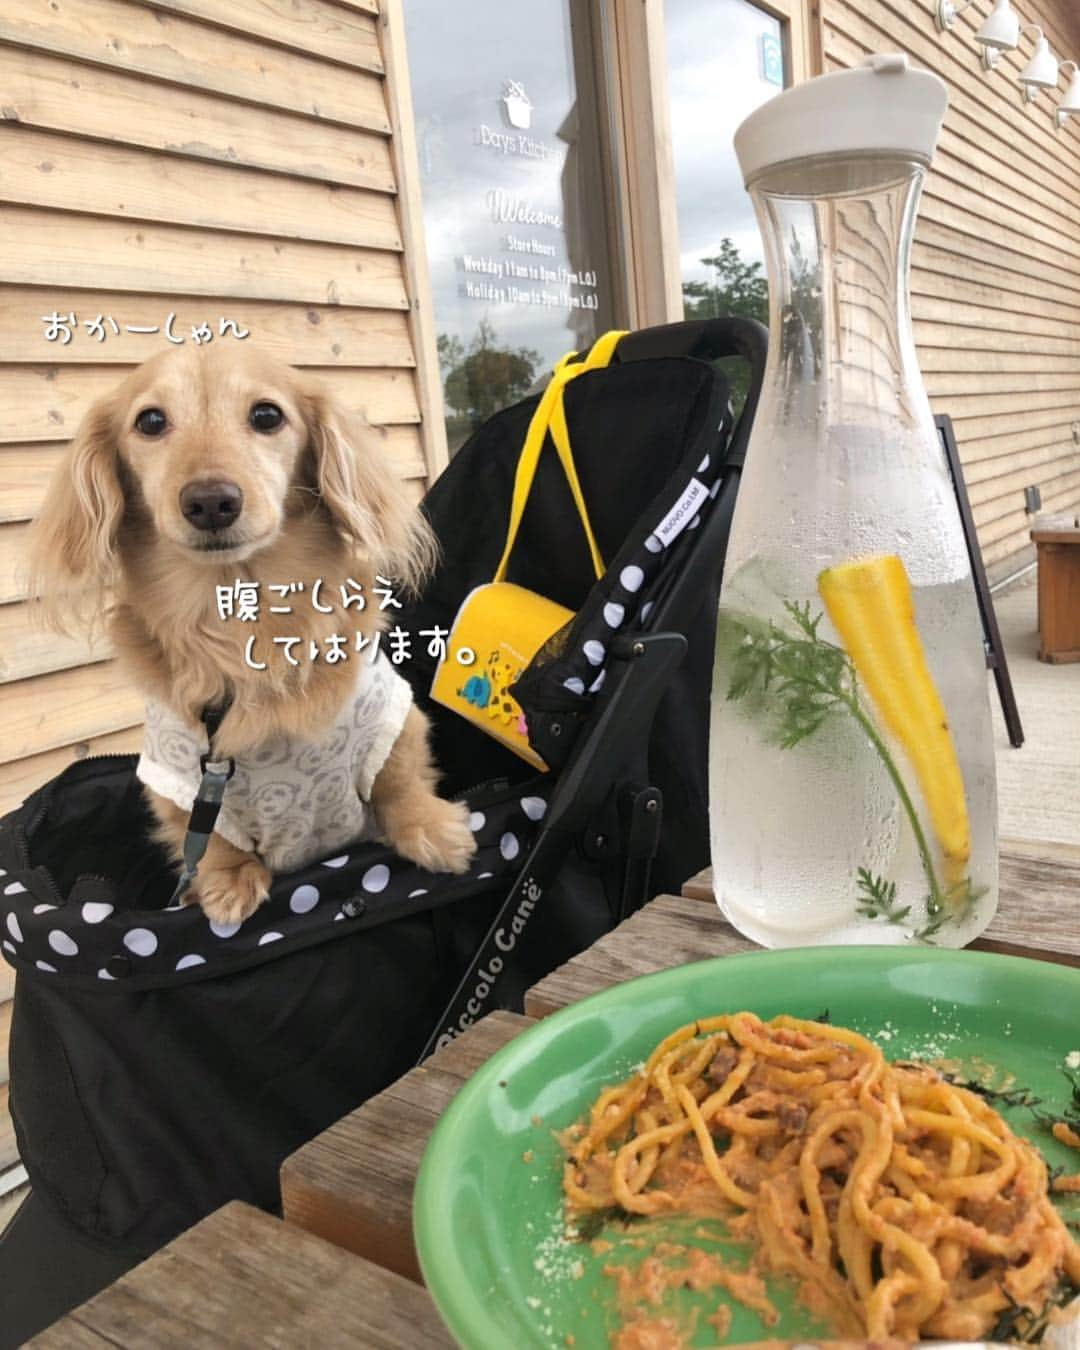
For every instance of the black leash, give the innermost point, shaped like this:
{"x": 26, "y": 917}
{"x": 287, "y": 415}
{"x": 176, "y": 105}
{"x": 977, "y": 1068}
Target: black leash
{"x": 207, "y": 805}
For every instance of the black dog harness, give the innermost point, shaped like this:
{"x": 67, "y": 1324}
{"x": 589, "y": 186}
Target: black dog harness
{"x": 207, "y": 805}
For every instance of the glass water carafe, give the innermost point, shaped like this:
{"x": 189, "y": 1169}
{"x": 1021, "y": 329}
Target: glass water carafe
{"x": 852, "y": 781}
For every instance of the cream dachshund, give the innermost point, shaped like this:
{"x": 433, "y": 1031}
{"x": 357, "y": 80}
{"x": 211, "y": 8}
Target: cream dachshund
{"x": 213, "y": 466}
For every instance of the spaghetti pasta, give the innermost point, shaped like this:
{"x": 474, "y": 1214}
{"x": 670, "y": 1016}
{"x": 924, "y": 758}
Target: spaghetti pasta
{"x": 904, "y": 1206}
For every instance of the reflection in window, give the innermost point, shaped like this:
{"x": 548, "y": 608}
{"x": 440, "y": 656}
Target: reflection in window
{"x": 725, "y": 57}
{"x": 513, "y": 185}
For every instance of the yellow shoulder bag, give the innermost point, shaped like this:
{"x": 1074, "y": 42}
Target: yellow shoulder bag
{"x": 502, "y": 625}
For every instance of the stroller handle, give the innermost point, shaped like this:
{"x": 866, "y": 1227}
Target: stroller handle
{"x": 708, "y": 340}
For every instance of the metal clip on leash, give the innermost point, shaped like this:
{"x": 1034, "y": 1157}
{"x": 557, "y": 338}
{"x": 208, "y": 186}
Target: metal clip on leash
{"x": 207, "y": 805}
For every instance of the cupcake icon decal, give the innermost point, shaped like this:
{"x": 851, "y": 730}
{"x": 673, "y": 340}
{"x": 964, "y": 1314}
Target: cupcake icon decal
{"x": 517, "y": 105}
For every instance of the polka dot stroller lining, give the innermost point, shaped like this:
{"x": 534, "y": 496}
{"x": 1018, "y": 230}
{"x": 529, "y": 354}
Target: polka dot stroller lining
{"x": 95, "y": 929}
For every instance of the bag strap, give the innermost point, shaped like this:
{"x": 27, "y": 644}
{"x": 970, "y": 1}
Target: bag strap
{"x": 550, "y": 416}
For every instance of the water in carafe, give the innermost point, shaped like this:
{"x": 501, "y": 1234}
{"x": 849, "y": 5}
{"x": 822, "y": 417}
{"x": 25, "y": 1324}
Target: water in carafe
{"x": 852, "y": 782}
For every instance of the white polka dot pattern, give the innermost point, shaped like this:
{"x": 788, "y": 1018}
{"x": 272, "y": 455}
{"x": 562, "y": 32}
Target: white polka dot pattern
{"x": 594, "y": 652}
{"x": 509, "y": 846}
{"x": 632, "y": 577}
{"x": 14, "y": 928}
{"x": 193, "y": 959}
{"x": 96, "y": 911}
{"x": 140, "y": 942}
{"x": 63, "y": 943}
{"x": 614, "y": 614}
{"x": 375, "y": 878}
{"x": 304, "y": 899}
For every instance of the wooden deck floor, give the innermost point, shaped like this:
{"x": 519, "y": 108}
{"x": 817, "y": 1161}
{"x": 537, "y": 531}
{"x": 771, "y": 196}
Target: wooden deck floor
{"x": 1039, "y": 784}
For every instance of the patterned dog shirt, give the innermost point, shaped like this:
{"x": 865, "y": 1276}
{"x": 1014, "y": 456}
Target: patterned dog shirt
{"x": 291, "y": 801}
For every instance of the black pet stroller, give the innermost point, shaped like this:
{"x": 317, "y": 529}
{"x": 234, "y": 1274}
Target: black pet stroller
{"x": 161, "y": 1066}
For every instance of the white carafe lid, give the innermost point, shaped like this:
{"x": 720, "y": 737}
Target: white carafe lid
{"x": 884, "y": 105}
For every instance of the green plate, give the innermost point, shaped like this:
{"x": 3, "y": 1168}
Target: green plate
{"x": 488, "y": 1207}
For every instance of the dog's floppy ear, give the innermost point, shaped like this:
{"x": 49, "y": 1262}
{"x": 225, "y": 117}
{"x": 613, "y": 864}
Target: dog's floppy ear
{"x": 363, "y": 492}
{"x": 72, "y": 553}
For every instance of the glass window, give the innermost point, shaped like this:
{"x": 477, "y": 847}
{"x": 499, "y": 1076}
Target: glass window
{"x": 725, "y": 57}
{"x": 514, "y": 192}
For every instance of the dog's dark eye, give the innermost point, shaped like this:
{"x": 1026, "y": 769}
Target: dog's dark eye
{"x": 266, "y": 417}
{"x": 151, "y": 422}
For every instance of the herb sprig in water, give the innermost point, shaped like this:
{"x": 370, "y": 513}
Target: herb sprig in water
{"x": 808, "y": 680}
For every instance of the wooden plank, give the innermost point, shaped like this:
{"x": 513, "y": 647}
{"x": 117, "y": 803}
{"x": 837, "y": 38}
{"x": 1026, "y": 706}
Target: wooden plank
{"x": 988, "y": 456}
{"x": 55, "y": 94}
{"x": 26, "y": 650}
{"x": 1046, "y": 473}
{"x": 353, "y": 1183}
{"x": 1021, "y": 357}
{"x": 411, "y": 214}
{"x": 37, "y": 403}
{"x": 156, "y": 45}
{"x": 21, "y": 777}
{"x": 937, "y": 247}
{"x": 1014, "y": 421}
{"x": 47, "y": 248}
{"x": 12, "y": 562}
{"x": 671, "y": 931}
{"x": 691, "y": 932}
{"x": 66, "y": 173}
{"x": 361, "y": 6}
{"x": 53, "y": 711}
{"x": 1035, "y": 915}
{"x": 962, "y": 215}
{"x": 948, "y": 303}
{"x": 301, "y": 335}
{"x": 956, "y": 384}
{"x": 996, "y": 516}
{"x": 24, "y": 473}
{"x": 309, "y": 26}
{"x": 242, "y": 1278}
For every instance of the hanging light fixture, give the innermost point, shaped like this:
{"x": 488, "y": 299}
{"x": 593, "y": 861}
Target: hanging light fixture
{"x": 947, "y": 12}
{"x": 999, "y": 32}
{"x": 1041, "y": 72}
{"x": 1070, "y": 102}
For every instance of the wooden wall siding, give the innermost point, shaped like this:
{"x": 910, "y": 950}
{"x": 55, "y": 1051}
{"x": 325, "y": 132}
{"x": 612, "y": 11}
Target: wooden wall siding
{"x": 996, "y": 263}
{"x": 206, "y": 158}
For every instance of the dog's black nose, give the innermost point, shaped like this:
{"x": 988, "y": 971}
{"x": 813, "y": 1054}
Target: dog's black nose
{"x": 211, "y": 505}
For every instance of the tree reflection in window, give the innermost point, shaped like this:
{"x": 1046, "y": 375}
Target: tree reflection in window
{"x": 481, "y": 379}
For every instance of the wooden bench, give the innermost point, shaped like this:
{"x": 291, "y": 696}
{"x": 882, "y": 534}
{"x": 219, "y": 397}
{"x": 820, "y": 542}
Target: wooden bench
{"x": 240, "y": 1279}
{"x": 1058, "y": 551}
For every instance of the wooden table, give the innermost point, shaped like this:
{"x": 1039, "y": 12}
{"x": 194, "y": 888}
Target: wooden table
{"x": 1058, "y": 551}
{"x": 242, "y": 1279}
{"x": 353, "y": 1184}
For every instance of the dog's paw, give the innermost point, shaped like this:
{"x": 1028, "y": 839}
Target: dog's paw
{"x": 440, "y": 840}
{"x": 232, "y": 894}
